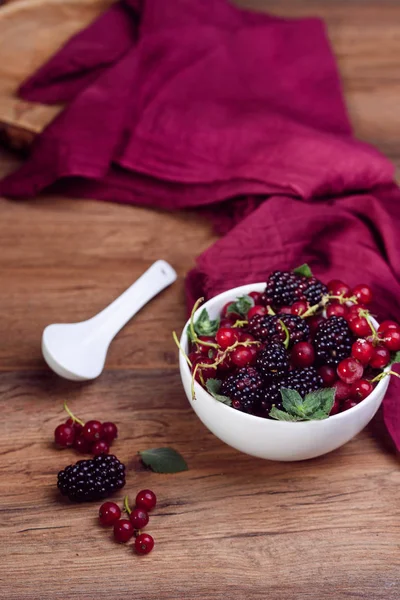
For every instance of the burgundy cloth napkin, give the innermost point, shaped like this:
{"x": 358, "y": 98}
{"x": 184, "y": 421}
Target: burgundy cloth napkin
{"x": 200, "y": 104}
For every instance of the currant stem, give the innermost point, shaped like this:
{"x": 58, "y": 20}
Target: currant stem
{"x": 287, "y": 334}
{"x": 191, "y": 326}
{"x": 126, "y": 505}
{"x": 238, "y": 324}
{"x": 71, "y": 414}
{"x": 270, "y": 311}
{"x": 382, "y": 375}
{"x": 175, "y": 337}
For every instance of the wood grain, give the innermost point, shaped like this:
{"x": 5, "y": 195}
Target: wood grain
{"x": 232, "y": 526}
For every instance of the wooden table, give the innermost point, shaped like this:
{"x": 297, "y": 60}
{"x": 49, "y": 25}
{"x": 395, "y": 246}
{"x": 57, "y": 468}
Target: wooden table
{"x": 232, "y": 526}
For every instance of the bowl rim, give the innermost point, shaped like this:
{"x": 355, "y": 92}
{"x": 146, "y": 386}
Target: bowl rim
{"x": 185, "y": 367}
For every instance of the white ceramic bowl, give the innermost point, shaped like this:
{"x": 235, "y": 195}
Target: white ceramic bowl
{"x": 266, "y": 438}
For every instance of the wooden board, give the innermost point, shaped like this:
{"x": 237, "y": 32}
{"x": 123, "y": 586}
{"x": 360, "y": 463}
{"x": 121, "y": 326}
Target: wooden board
{"x": 232, "y": 526}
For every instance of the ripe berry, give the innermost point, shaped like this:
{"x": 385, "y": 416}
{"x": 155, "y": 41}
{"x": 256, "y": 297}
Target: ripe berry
{"x": 392, "y": 339}
{"x": 380, "y": 357}
{"x": 313, "y": 323}
{"x": 242, "y": 356}
{"x": 328, "y": 375}
{"x": 226, "y": 337}
{"x": 303, "y": 354}
{"x": 298, "y": 308}
{"x": 256, "y": 310}
{"x": 64, "y": 435}
{"x": 202, "y": 348}
{"x": 225, "y": 365}
{"x": 146, "y": 499}
{"x": 232, "y": 316}
{"x": 123, "y": 530}
{"x": 92, "y": 431}
{"x": 363, "y": 293}
{"x": 362, "y": 350}
{"x": 336, "y": 310}
{"x": 246, "y": 337}
{"x": 348, "y": 404}
{"x": 109, "y": 432}
{"x": 359, "y": 326}
{"x": 353, "y": 311}
{"x": 226, "y": 323}
{"x": 81, "y": 445}
{"x": 386, "y": 325}
{"x": 204, "y": 372}
{"x": 257, "y": 297}
{"x": 100, "y": 447}
{"x": 342, "y": 390}
{"x": 144, "y": 543}
{"x": 77, "y": 426}
{"x": 350, "y": 370}
{"x": 335, "y": 407}
{"x": 139, "y": 518}
{"x": 285, "y": 310}
{"x": 338, "y": 288}
{"x": 361, "y": 389}
{"x": 109, "y": 513}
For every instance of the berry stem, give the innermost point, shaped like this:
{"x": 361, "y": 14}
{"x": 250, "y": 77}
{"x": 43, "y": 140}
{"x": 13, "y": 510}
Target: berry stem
{"x": 366, "y": 315}
{"x": 270, "y": 311}
{"x": 287, "y": 334}
{"x": 381, "y": 376}
{"x": 181, "y": 349}
{"x": 71, "y": 414}
{"x": 193, "y": 334}
{"x": 239, "y": 324}
{"x": 126, "y": 505}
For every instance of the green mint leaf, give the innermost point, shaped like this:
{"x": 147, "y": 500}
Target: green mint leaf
{"x": 395, "y": 359}
{"x": 303, "y": 270}
{"x": 206, "y": 326}
{"x": 163, "y": 460}
{"x": 318, "y": 415}
{"x": 292, "y": 402}
{"x": 320, "y": 400}
{"x": 213, "y": 386}
{"x": 241, "y": 306}
{"x": 232, "y": 308}
{"x": 281, "y": 415}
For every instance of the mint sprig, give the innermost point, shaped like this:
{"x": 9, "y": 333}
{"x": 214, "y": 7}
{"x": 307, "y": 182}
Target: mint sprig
{"x": 163, "y": 460}
{"x": 204, "y": 325}
{"x": 241, "y": 306}
{"x": 314, "y": 406}
{"x": 213, "y": 387}
{"x": 303, "y": 270}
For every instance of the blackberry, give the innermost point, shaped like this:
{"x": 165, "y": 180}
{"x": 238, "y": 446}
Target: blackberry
{"x": 333, "y": 341}
{"x": 273, "y": 362}
{"x": 271, "y": 396}
{"x": 283, "y": 288}
{"x": 244, "y": 388}
{"x": 92, "y": 479}
{"x": 267, "y": 328}
{"x": 303, "y": 381}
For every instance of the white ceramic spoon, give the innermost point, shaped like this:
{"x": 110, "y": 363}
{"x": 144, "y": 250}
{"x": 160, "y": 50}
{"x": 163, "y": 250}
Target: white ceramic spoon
{"x": 78, "y": 351}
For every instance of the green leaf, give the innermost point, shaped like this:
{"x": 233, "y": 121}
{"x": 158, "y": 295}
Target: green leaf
{"x": 163, "y": 460}
{"x": 318, "y": 415}
{"x": 281, "y": 415}
{"x": 292, "y": 402}
{"x": 321, "y": 400}
{"x": 213, "y": 386}
{"x": 303, "y": 270}
{"x": 206, "y": 326}
{"x": 241, "y": 306}
{"x": 395, "y": 359}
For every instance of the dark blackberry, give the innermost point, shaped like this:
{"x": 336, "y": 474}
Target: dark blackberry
{"x": 283, "y": 288}
{"x": 273, "y": 361}
{"x": 270, "y": 396}
{"x": 333, "y": 341}
{"x": 243, "y": 387}
{"x": 267, "y": 328}
{"x": 92, "y": 479}
{"x": 303, "y": 381}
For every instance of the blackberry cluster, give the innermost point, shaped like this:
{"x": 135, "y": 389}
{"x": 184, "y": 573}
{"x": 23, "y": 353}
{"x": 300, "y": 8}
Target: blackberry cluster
{"x": 333, "y": 341}
{"x": 271, "y": 395}
{"x": 273, "y": 361}
{"x": 267, "y": 328}
{"x": 92, "y": 479}
{"x": 285, "y": 287}
{"x": 244, "y": 388}
{"x": 303, "y": 381}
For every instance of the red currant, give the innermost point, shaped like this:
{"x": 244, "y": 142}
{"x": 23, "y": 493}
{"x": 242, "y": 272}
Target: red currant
{"x": 348, "y": 404}
{"x": 226, "y": 324}
{"x": 146, "y": 499}
{"x": 336, "y": 310}
{"x": 359, "y": 326}
{"x": 328, "y": 375}
{"x": 92, "y": 431}
{"x": 236, "y": 404}
{"x": 109, "y": 513}
{"x": 342, "y": 390}
{"x": 361, "y": 389}
{"x": 257, "y": 297}
{"x": 246, "y": 337}
{"x": 256, "y": 310}
{"x": 363, "y": 293}
{"x": 338, "y": 288}
{"x": 81, "y": 445}
{"x": 100, "y": 447}
{"x": 386, "y": 325}
{"x": 314, "y": 322}
{"x": 353, "y": 311}
{"x": 64, "y": 435}
{"x": 232, "y": 316}
{"x": 123, "y": 530}
{"x": 225, "y": 364}
{"x": 298, "y": 308}
{"x": 380, "y": 357}
{"x": 226, "y": 337}
{"x": 109, "y": 431}
{"x": 139, "y": 518}
{"x": 362, "y": 350}
{"x": 392, "y": 339}
{"x": 204, "y": 372}
{"x": 350, "y": 370}
{"x": 285, "y": 310}
{"x": 202, "y": 348}
{"x": 303, "y": 354}
{"x": 144, "y": 543}
{"x": 242, "y": 356}
{"x": 335, "y": 407}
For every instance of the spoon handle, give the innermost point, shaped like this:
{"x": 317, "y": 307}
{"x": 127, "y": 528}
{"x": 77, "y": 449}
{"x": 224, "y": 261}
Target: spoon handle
{"x": 109, "y": 321}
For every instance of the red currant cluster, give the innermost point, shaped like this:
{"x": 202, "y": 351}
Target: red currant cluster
{"x": 91, "y": 437}
{"x": 124, "y": 529}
